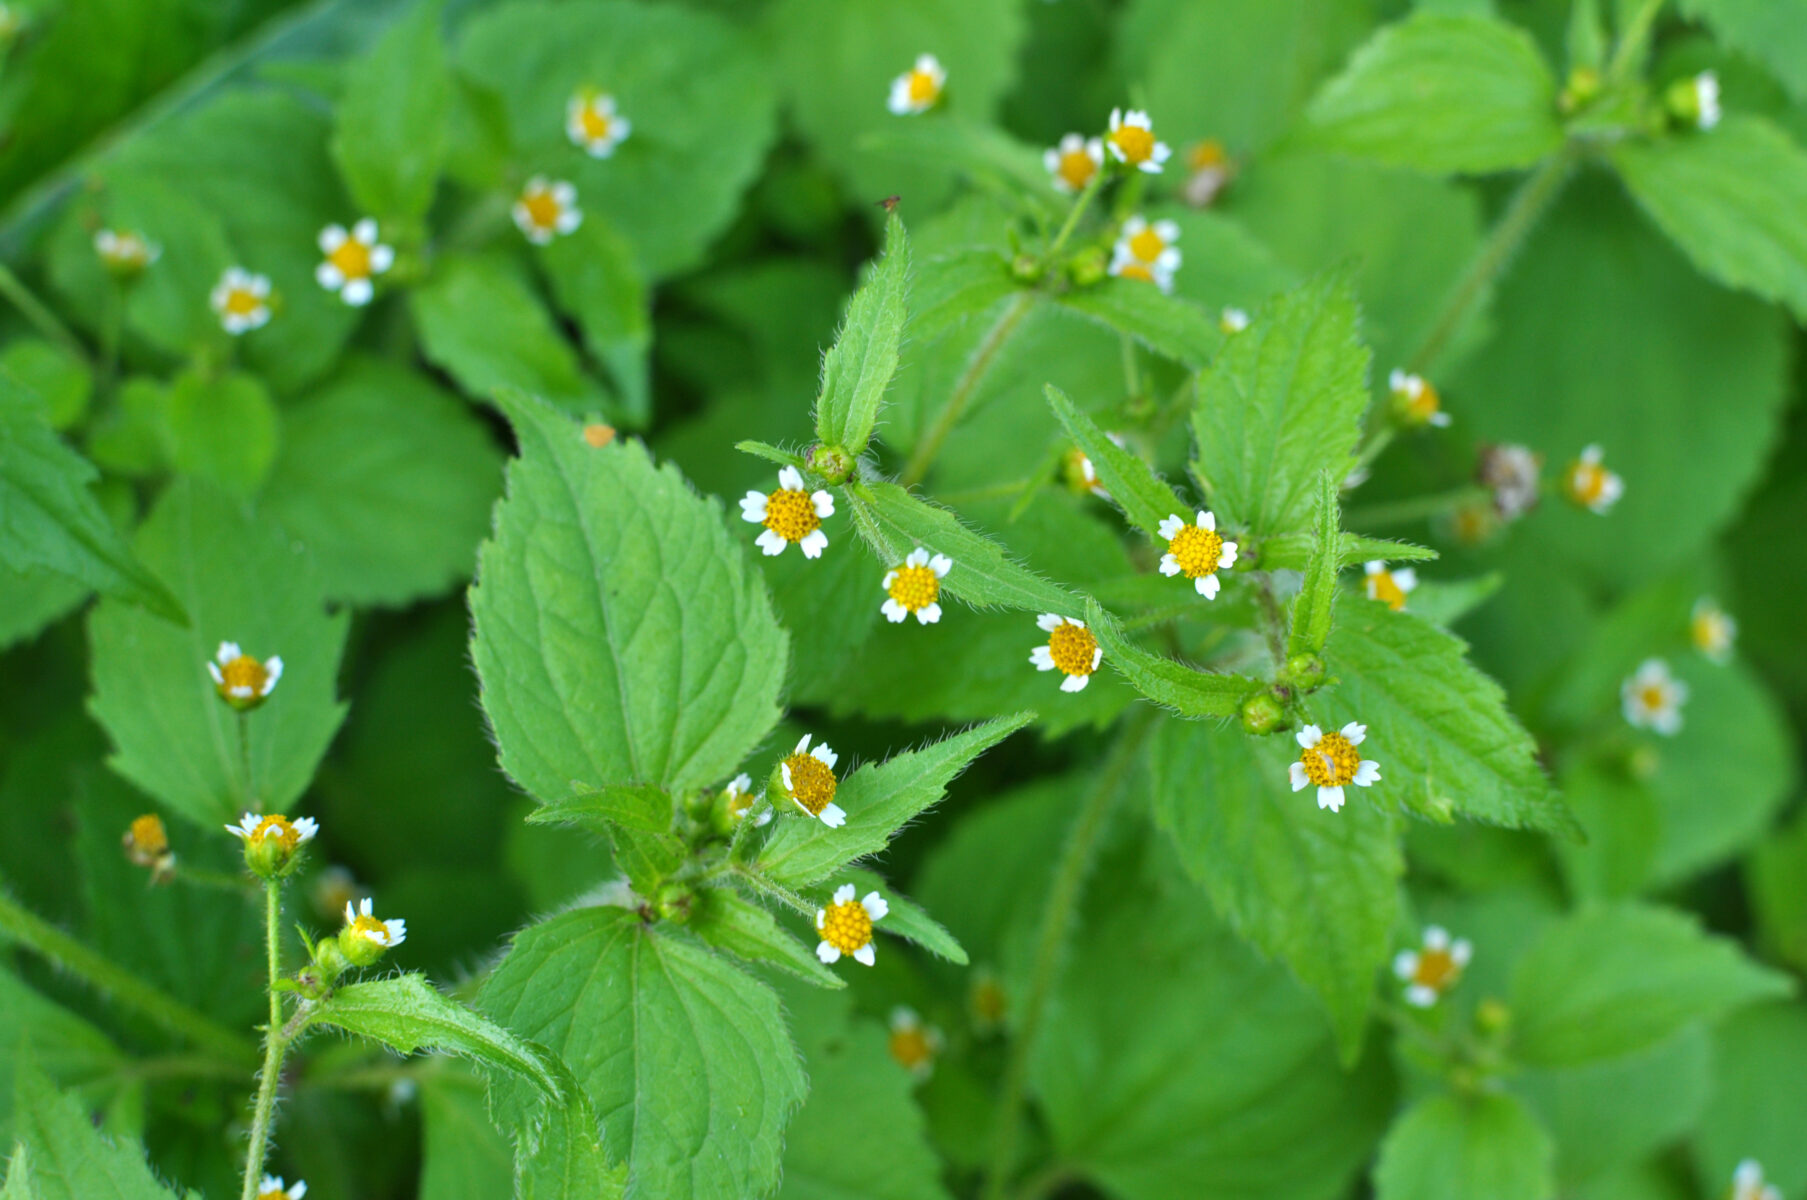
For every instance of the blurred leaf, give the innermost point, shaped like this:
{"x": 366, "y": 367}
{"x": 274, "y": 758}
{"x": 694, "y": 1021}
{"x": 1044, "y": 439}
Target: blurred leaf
{"x": 1170, "y": 326}
{"x": 1188, "y": 691}
{"x": 380, "y": 439}
{"x": 1772, "y": 31}
{"x": 752, "y": 934}
{"x": 222, "y": 428}
{"x": 1775, "y": 880}
{"x": 241, "y": 581}
{"x": 1442, "y": 93}
{"x": 70, "y": 1159}
{"x": 596, "y": 281}
{"x": 1319, "y": 891}
{"x": 70, "y": 1051}
{"x": 1482, "y": 1146}
{"x": 392, "y": 118}
{"x": 1612, "y": 980}
{"x": 1282, "y": 404}
{"x": 1761, "y": 1061}
{"x": 950, "y": 287}
{"x": 596, "y": 666}
{"x": 858, "y": 368}
{"x": 58, "y": 380}
{"x": 697, "y": 1110}
{"x": 1292, "y": 551}
{"x": 31, "y": 600}
{"x": 463, "y": 1156}
{"x": 1734, "y": 198}
{"x": 1309, "y": 627}
{"x": 1145, "y": 497}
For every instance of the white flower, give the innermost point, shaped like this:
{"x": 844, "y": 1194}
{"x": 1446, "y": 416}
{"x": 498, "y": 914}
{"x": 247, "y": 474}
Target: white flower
{"x": 593, "y": 125}
{"x": 915, "y": 587}
{"x": 1389, "y": 587}
{"x": 242, "y": 300}
{"x": 917, "y": 90}
{"x": 1748, "y": 1184}
{"x": 1712, "y": 629}
{"x": 1233, "y": 320}
{"x": 1706, "y": 99}
{"x": 1073, "y": 163}
{"x": 1433, "y": 969}
{"x": 1131, "y": 141}
{"x": 547, "y": 209}
{"x": 739, "y": 794}
{"x": 1415, "y": 402}
{"x": 125, "y": 252}
{"x": 809, "y": 781}
{"x": 913, "y": 1045}
{"x": 1145, "y": 251}
{"x": 1071, "y": 649}
{"x": 1511, "y": 473}
{"x": 1591, "y": 485}
{"x": 789, "y": 514}
{"x": 271, "y": 1189}
{"x": 387, "y": 934}
{"x": 254, "y": 830}
{"x": 353, "y": 260}
{"x": 1653, "y": 698}
{"x": 1331, "y": 761}
{"x": 241, "y": 680}
{"x": 846, "y": 925}
{"x": 1197, "y": 551}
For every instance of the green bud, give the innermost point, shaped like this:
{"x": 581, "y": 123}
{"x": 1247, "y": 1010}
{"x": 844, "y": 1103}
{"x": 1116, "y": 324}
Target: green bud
{"x": 1582, "y": 87}
{"x": 1492, "y": 1017}
{"x": 1263, "y": 712}
{"x": 1027, "y": 268}
{"x": 1304, "y": 671}
{"x": 366, "y": 938}
{"x": 1694, "y": 101}
{"x": 831, "y": 463}
{"x": 273, "y": 843}
{"x": 1088, "y": 267}
{"x": 329, "y": 963}
{"x": 674, "y": 903}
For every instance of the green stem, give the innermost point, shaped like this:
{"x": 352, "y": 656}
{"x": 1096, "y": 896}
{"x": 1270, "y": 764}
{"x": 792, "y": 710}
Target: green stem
{"x": 244, "y": 759}
{"x": 1418, "y": 508}
{"x": 776, "y": 891}
{"x": 39, "y": 314}
{"x": 1093, "y": 186}
{"x": 1528, "y": 204}
{"x": 924, "y": 455}
{"x": 26, "y": 928}
{"x": 1632, "y": 41}
{"x": 1273, "y": 621}
{"x": 1058, "y": 914}
{"x": 276, "y": 1044}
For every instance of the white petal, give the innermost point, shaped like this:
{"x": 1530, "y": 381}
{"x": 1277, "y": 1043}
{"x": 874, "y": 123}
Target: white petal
{"x": 1405, "y": 964}
{"x": 1049, "y": 622}
{"x": 827, "y": 953}
{"x": 1367, "y": 773}
{"x": 331, "y": 238}
{"x": 802, "y": 745}
{"x": 1309, "y": 736}
{"x": 1171, "y": 526}
{"x": 1097, "y": 656}
{"x": 825, "y": 756}
{"x": 784, "y": 773}
{"x": 813, "y": 543}
{"x": 357, "y": 292}
{"x": 844, "y": 893}
{"x": 889, "y": 579}
{"x": 227, "y": 652}
{"x": 865, "y": 955}
{"x": 770, "y": 542}
{"x": 1227, "y": 557}
{"x": 1419, "y": 996}
{"x": 916, "y": 558}
{"x": 752, "y": 507}
{"x": 790, "y": 479}
{"x": 1330, "y": 798}
{"x": 1296, "y": 773}
{"x": 833, "y": 816}
{"x": 1460, "y": 951}
{"x": 273, "y": 666}
{"x": 1169, "y": 565}
{"x": 213, "y": 669}
{"x": 381, "y": 259}
{"x": 1075, "y": 683}
{"x": 306, "y": 828}
{"x": 329, "y": 277}
{"x": 821, "y": 917}
{"x": 1405, "y": 579}
{"x": 1436, "y": 937}
{"x": 365, "y": 231}
{"x": 928, "y": 614}
{"x": 1207, "y": 520}
{"x": 823, "y": 503}
{"x": 1043, "y": 658}
{"x": 894, "y": 612}
{"x": 875, "y": 905}
{"x": 1374, "y": 568}
{"x": 1355, "y": 732}
{"x": 941, "y": 564}
{"x": 1207, "y": 586}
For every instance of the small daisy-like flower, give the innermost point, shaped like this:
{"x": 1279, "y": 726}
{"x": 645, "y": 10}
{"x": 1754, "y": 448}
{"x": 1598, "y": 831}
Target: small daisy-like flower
{"x": 1415, "y": 402}
{"x": 1210, "y": 167}
{"x": 1389, "y": 587}
{"x": 1132, "y": 142}
{"x": 1511, "y": 473}
{"x": 353, "y": 260}
{"x": 1074, "y": 161}
{"x": 241, "y": 680}
{"x": 1748, "y": 1184}
{"x": 547, "y": 209}
{"x": 1332, "y": 762}
{"x": 1080, "y": 474}
{"x": 740, "y": 799}
{"x": 1196, "y": 551}
{"x": 846, "y": 925}
{"x": 592, "y": 123}
{"x": 913, "y": 1045}
{"x": 1147, "y": 245}
{"x": 809, "y": 781}
{"x": 146, "y": 844}
{"x": 915, "y": 587}
{"x": 1706, "y": 99}
{"x": 1712, "y": 629}
{"x": 1434, "y": 968}
{"x": 1591, "y": 485}
{"x": 272, "y": 842}
{"x": 365, "y": 937}
{"x": 271, "y": 1189}
{"x": 1129, "y": 268}
{"x": 125, "y": 252}
{"x": 332, "y": 889}
{"x": 1233, "y": 320}
{"x": 917, "y": 90}
{"x": 1653, "y": 697}
{"x": 789, "y": 514}
{"x": 242, "y": 300}
{"x": 1071, "y": 649}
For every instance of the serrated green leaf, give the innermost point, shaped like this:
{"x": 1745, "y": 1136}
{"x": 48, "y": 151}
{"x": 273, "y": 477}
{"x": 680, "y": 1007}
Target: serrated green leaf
{"x": 1317, "y": 890}
{"x": 53, "y": 523}
{"x": 1442, "y": 93}
{"x": 1281, "y": 405}
{"x": 948, "y": 288}
{"x": 1612, "y": 980}
{"x": 1188, "y": 691}
{"x": 68, "y": 1158}
{"x": 1772, "y": 31}
{"x": 783, "y": 458}
{"x": 1171, "y": 327}
{"x": 1481, "y": 1146}
{"x": 878, "y": 800}
{"x": 1760, "y": 1058}
{"x": 1311, "y": 612}
{"x": 858, "y": 367}
{"x": 1439, "y": 728}
{"x": 392, "y": 118}
{"x": 66, "y": 1047}
{"x": 50, "y": 375}
{"x": 619, "y": 635}
{"x": 595, "y": 279}
{"x": 749, "y": 932}
{"x": 222, "y": 428}
{"x": 241, "y": 581}
{"x": 19, "y": 1185}
{"x": 1144, "y": 496}
{"x": 1734, "y": 198}
{"x": 645, "y": 807}
{"x": 894, "y": 522}
{"x": 685, "y": 1056}
{"x": 906, "y": 919}
{"x": 1292, "y": 551}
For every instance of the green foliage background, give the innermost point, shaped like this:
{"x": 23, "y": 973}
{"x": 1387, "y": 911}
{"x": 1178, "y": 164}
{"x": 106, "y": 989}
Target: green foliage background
{"x": 520, "y": 666}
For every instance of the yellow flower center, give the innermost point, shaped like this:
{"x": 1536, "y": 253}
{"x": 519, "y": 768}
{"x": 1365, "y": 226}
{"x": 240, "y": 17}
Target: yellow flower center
{"x": 1073, "y": 648}
{"x": 272, "y": 1194}
{"x": 1587, "y": 481}
{"x": 910, "y": 1046}
{"x": 923, "y": 88}
{"x": 1709, "y": 630}
{"x": 1425, "y": 404}
{"x": 1437, "y": 969}
{"x": 1384, "y": 588}
{"x": 1136, "y": 270}
{"x": 352, "y": 258}
{"x": 740, "y": 802}
{"x": 1147, "y": 245}
{"x": 1332, "y": 762}
{"x": 543, "y": 208}
{"x": 241, "y": 303}
{"x": 1197, "y": 550}
{"x": 1135, "y": 143}
{"x": 915, "y": 587}
{"x": 989, "y": 1001}
{"x": 847, "y": 926}
{"x": 370, "y": 927}
{"x": 148, "y": 836}
{"x": 243, "y": 672}
{"x": 812, "y": 783}
{"x": 1653, "y": 696}
{"x": 276, "y": 827}
{"x": 1075, "y": 168}
{"x": 1205, "y": 154}
{"x": 595, "y": 123}
{"x": 791, "y": 515}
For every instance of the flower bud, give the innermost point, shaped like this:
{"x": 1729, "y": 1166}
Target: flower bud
{"x": 1088, "y": 267}
{"x": 831, "y": 463}
{"x": 365, "y": 937}
{"x": 1263, "y": 713}
{"x": 1303, "y": 671}
{"x": 1582, "y": 87}
{"x": 146, "y": 844}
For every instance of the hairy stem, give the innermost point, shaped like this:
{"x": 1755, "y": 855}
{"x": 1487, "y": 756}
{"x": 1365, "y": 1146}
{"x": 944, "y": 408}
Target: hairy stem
{"x": 1633, "y": 40}
{"x": 244, "y": 759}
{"x": 1273, "y": 621}
{"x": 930, "y": 445}
{"x": 276, "y": 1044}
{"x": 1058, "y": 913}
{"x": 1093, "y": 186}
{"x": 25, "y": 927}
